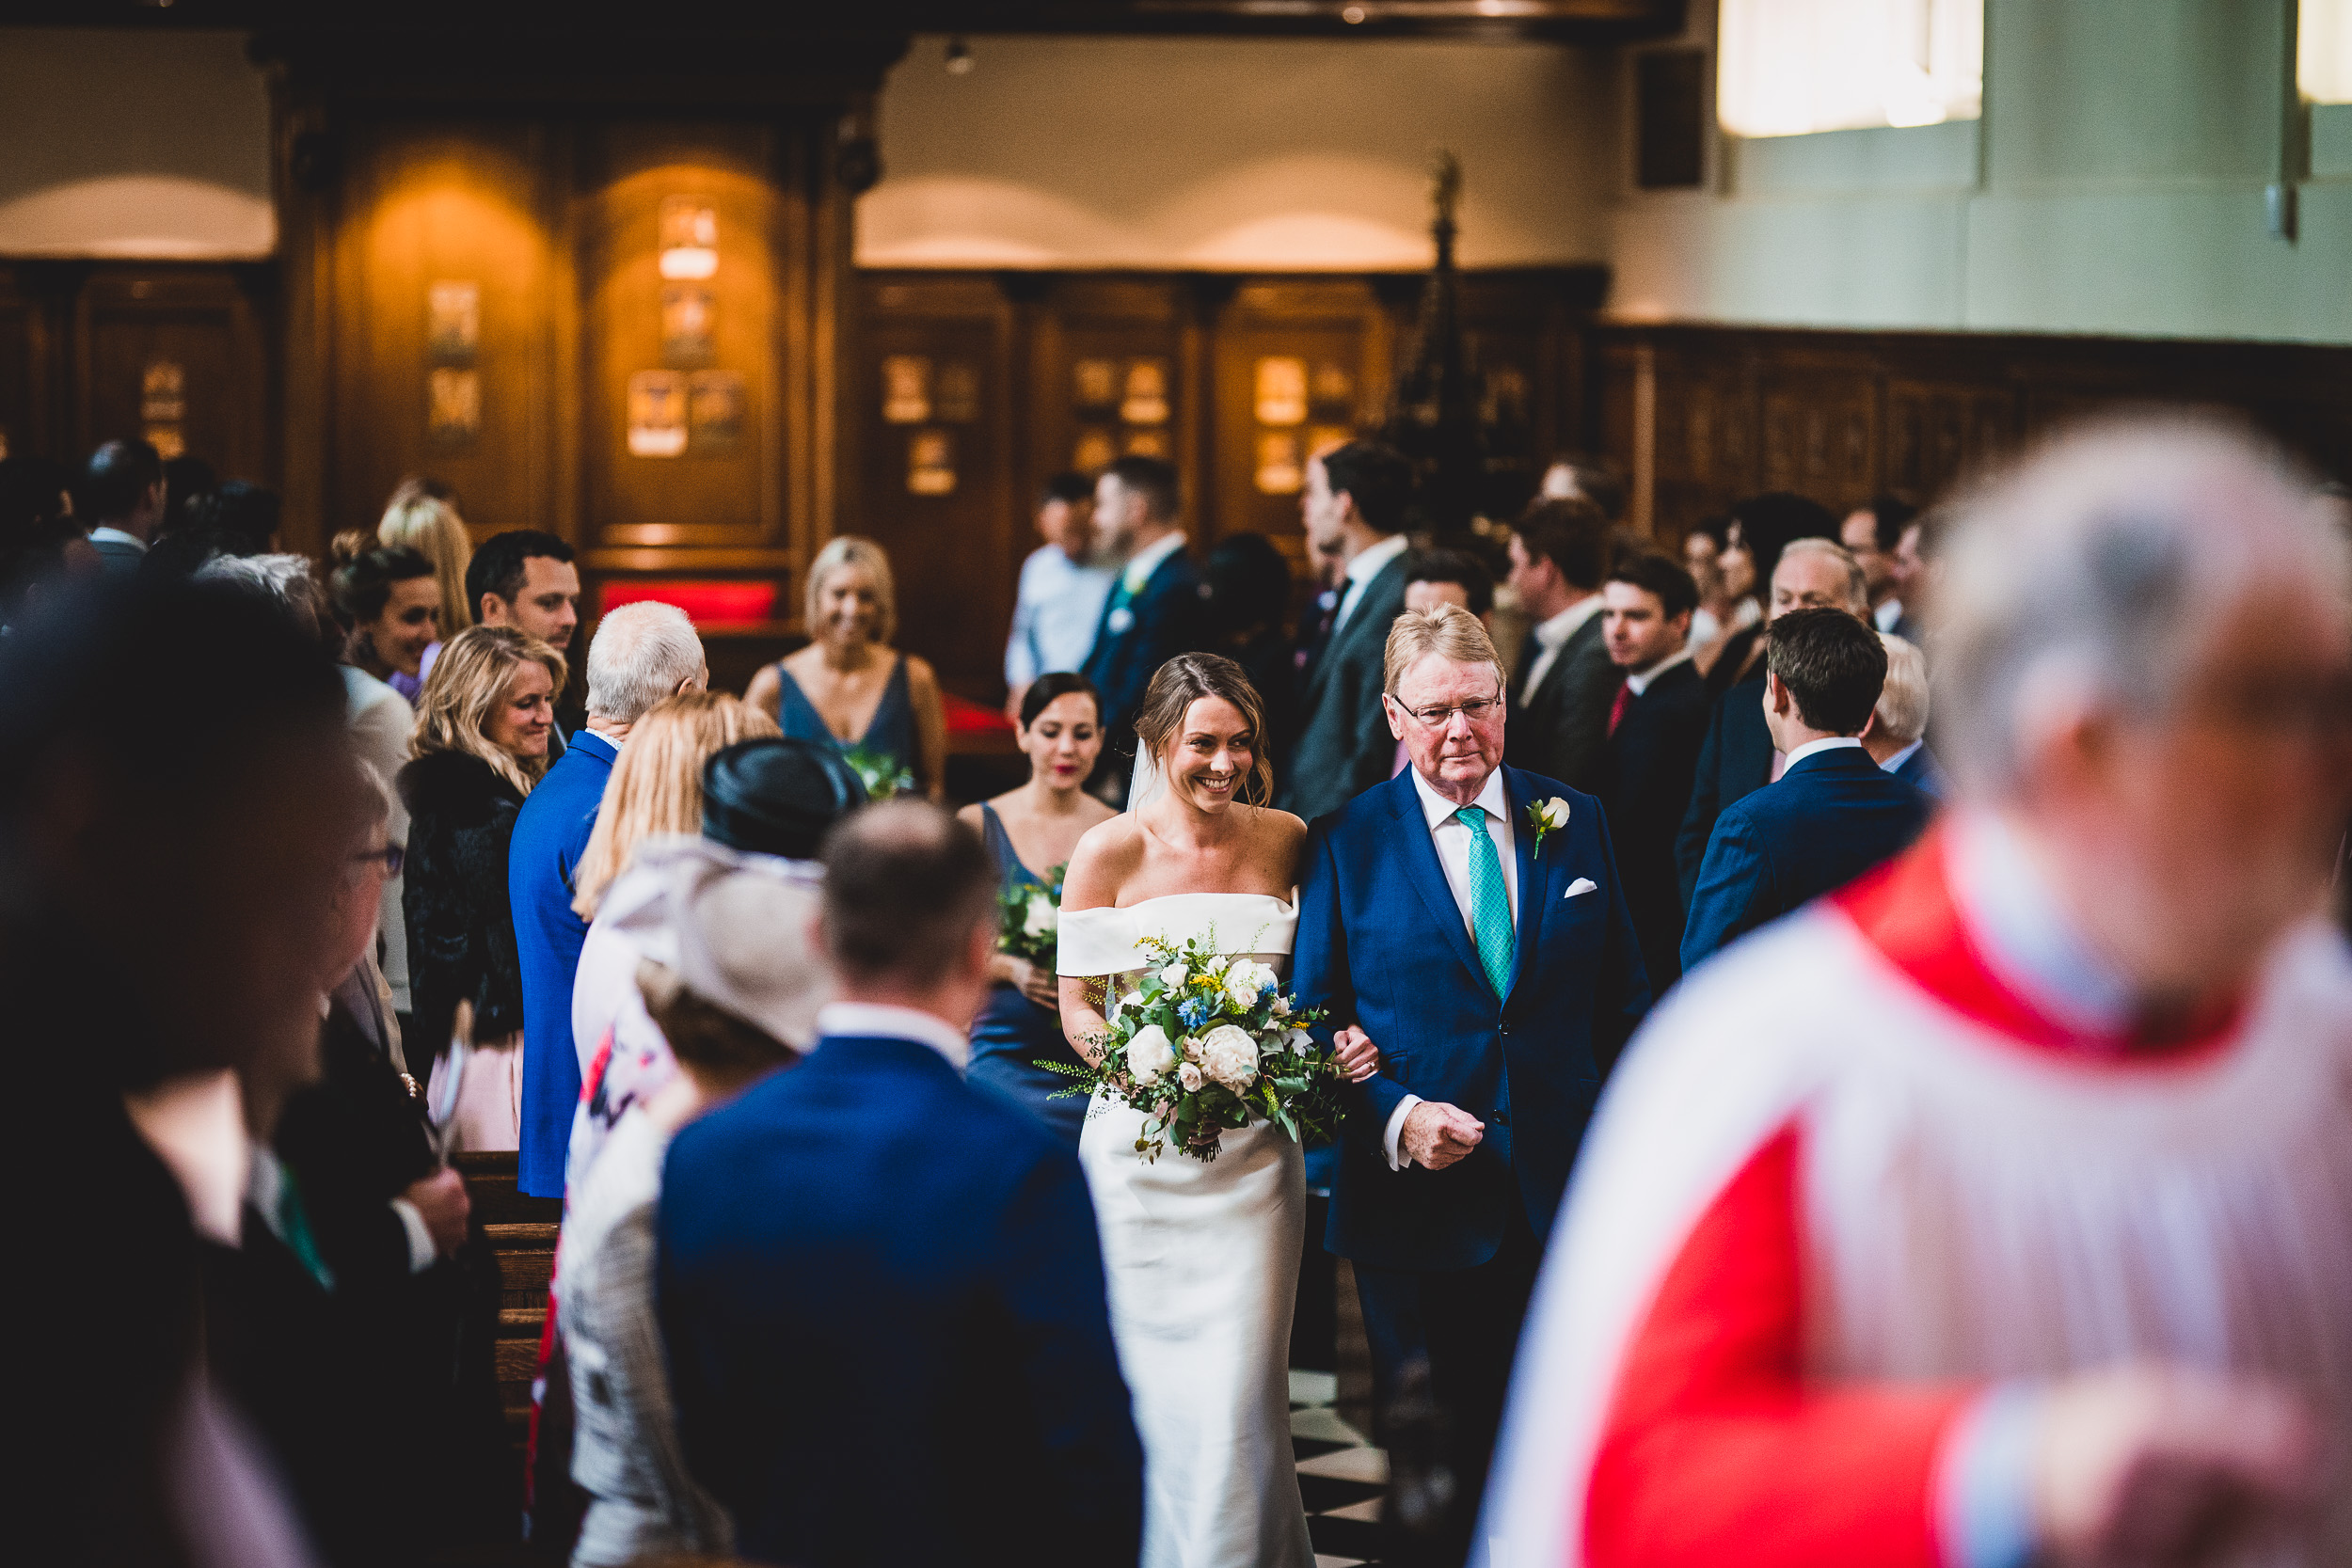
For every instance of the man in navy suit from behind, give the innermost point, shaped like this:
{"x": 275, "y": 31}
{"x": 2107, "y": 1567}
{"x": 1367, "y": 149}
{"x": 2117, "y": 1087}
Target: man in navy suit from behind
{"x": 1500, "y": 976}
{"x": 881, "y": 1291}
{"x": 1835, "y": 813}
{"x": 1898, "y": 740}
{"x": 1154, "y": 611}
{"x": 641, "y": 653}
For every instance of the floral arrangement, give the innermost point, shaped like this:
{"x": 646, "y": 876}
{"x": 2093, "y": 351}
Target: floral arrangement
{"x": 883, "y": 774}
{"x": 1206, "y": 1042}
{"x": 1028, "y": 920}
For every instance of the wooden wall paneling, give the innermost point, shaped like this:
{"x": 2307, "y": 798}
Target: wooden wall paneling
{"x": 1819, "y": 424}
{"x": 445, "y": 322}
{"x": 32, "y": 375}
{"x": 933, "y": 409}
{"x": 1937, "y": 432}
{"x": 178, "y": 354}
{"x": 1523, "y": 335}
{"x": 1263, "y": 428}
{"x": 1105, "y": 328}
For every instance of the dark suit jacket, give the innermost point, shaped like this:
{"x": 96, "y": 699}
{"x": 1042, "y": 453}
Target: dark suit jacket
{"x": 1922, "y": 773}
{"x": 117, "y": 558}
{"x": 1382, "y": 944}
{"x": 883, "y": 1296}
{"x": 1558, "y": 729}
{"x": 461, "y": 938}
{"x": 1830, "y": 817}
{"x": 1646, "y": 770}
{"x": 1346, "y": 748}
{"x": 1735, "y": 760}
{"x": 550, "y": 833}
{"x": 1169, "y": 617}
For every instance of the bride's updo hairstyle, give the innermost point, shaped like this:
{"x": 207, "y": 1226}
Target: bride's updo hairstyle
{"x": 1183, "y": 681}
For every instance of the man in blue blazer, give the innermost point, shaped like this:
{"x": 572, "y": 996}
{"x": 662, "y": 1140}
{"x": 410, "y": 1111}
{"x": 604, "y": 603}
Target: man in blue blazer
{"x": 1154, "y": 611}
{"x": 881, "y": 1290}
{"x": 641, "y": 653}
{"x": 1835, "y": 813}
{"x": 1492, "y": 959}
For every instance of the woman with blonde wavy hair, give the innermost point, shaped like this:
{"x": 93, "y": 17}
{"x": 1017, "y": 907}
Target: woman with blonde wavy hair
{"x": 482, "y": 724}
{"x": 655, "y": 789}
{"x": 423, "y": 515}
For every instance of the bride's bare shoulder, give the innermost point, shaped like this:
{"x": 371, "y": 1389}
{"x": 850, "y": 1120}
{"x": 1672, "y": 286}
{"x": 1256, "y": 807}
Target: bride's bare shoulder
{"x": 1278, "y": 836}
{"x": 1108, "y": 854}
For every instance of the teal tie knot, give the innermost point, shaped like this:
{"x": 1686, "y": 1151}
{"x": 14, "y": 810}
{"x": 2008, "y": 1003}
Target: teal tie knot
{"x": 1490, "y": 903}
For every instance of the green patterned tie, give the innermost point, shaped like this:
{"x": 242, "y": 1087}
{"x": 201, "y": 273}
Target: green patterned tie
{"x": 1490, "y": 903}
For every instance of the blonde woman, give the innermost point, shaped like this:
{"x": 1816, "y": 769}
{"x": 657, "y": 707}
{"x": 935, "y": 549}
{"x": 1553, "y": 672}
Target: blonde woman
{"x": 483, "y": 725}
{"x": 848, "y": 687}
{"x": 656, "y": 790}
{"x": 421, "y": 515}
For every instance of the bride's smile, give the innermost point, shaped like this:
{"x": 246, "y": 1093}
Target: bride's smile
{"x": 1214, "y": 755}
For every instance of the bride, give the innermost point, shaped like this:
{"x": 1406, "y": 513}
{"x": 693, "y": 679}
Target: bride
{"x": 1202, "y": 1258}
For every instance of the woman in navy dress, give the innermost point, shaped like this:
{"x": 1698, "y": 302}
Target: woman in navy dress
{"x": 1031, "y": 831}
{"x": 849, "y": 686}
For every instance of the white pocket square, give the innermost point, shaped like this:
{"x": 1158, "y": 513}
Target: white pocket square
{"x": 1582, "y": 884}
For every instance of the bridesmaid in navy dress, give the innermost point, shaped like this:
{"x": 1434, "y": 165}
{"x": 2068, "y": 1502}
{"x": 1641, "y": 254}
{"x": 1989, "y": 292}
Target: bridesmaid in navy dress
{"x": 1031, "y": 831}
{"x": 849, "y": 686}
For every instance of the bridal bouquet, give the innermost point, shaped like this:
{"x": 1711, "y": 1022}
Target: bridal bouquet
{"x": 1206, "y": 1042}
{"x": 1028, "y": 920}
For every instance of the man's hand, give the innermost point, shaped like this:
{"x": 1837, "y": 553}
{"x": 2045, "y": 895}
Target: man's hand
{"x": 1357, "y": 1056}
{"x": 2165, "y": 1464}
{"x": 1435, "y": 1135}
{"x": 441, "y": 1199}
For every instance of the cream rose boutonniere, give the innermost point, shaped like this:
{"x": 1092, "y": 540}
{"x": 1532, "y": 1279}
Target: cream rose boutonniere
{"x": 1546, "y": 817}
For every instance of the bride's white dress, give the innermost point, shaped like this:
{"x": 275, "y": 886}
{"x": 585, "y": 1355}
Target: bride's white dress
{"x": 1202, "y": 1259}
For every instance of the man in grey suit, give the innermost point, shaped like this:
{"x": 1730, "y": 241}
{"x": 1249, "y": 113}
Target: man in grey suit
{"x": 1354, "y": 498}
{"x": 1565, "y": 683}
{"x": 122, "y": 488}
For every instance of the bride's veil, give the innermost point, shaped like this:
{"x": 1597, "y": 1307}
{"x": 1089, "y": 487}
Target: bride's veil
{"x": 1146, "y": 780}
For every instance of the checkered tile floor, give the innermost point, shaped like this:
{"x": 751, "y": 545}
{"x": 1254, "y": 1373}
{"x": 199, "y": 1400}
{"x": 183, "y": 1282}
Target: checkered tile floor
{"x": 1341, "y": 1475}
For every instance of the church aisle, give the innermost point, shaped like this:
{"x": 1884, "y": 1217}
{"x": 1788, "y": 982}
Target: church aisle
{"x": 1341, "y": 1475}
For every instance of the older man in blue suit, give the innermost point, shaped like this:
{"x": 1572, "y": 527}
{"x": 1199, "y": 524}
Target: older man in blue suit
{"x": 882, "y": 1290}
{"x": 1832, "y": 815}
{"x": 1154, "y": 611}
{"x": 641, "y": 653}
{"x": 1467, "y": 916}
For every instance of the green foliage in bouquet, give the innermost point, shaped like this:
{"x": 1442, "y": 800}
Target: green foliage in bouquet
{"x": 883, "y": 774}
{"x": 1028, "y": 920}
{"x": 1204, "y": 1043}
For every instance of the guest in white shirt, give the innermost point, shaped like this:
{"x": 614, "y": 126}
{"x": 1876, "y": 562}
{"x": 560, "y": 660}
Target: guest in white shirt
{"x": 1063, "y": 584}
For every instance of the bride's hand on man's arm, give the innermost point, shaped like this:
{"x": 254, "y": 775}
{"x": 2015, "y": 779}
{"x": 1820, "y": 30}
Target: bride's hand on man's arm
{"x": 1357, "y": 1056}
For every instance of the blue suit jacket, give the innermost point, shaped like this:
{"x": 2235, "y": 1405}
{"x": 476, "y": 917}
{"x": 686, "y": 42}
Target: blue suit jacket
{"x": 1383, "y": 945}
{"x": 1166, "y": 618}
{"x": 1828, "y": 819}
{"x": 1735, "y": 760}
{"x": 550, "y": 833}
{"x": 883, "y": 1296}
{"x": 1921, "y": 772}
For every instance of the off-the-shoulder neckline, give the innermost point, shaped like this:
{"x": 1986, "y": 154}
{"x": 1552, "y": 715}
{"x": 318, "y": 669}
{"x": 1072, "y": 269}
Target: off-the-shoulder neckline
{"x": 1289, "y": 903}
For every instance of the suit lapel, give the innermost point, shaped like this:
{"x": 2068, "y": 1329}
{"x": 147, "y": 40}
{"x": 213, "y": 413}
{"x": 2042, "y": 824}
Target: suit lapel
{"x": 1428, "y": 876}
{"x": 1533, "y": 885}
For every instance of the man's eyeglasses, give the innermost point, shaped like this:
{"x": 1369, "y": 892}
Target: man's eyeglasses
{"x": 1477, "y": 710}
{"x": 391, "y": 855}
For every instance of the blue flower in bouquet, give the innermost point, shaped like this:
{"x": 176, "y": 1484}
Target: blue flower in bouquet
{"x": 1196, "y": 1011}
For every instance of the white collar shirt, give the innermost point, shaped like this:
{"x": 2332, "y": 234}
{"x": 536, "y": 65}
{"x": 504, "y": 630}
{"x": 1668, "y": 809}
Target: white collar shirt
{"x": 102, "y": 534}
{"x": 1887, "y": 614}
{"x": 1452, "y": 838}
{"x": 1638, "y": 682}
{"x": 898, "y": 1023}
{"x": 1827, "y": 743}
{"x": 1552, "y": 635}
{"x": 1368, "y": 563}
{"x": 1146, "y": 560}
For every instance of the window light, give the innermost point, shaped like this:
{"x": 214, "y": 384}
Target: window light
{"x": 1789, "y": 67}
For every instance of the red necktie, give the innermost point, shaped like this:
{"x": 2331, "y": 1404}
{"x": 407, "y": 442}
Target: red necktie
{"x": 1617, "y": 709}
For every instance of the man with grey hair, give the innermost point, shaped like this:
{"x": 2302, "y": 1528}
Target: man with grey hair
{"x": 1996, "y": 1208}
{"x": 1898, "y": 741}
{"x": 641, "y": 653}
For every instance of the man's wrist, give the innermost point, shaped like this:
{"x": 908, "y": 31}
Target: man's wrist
{"x": 1391, "y": 1136}
{"x": 422, "y": 1250}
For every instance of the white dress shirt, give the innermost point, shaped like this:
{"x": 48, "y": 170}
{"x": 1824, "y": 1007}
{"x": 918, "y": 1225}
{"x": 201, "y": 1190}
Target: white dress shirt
{"x": 1885, "y": 615}
{"x": 897, "y": 1023}
{"x": 1452, "y": 839}
{"x": 1054, "y": 614}
{"x": 1146, "y": 560}
{"x": 1638, "y": 681}
{"x": 1552, "y": 635}
{"x": 1366, "y": 565}
{"x": 107, "y": 534}
{"x": 1827, "y": 743}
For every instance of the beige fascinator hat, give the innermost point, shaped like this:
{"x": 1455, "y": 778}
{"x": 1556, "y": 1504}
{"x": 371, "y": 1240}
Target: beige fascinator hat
{"x": 735, "y": 927}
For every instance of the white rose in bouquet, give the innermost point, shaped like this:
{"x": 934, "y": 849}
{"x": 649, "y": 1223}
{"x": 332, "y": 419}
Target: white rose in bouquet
{"x": 1282, "y": 1007}
{"x": 1149, "y": 1054}
{"x": 1189, "y": 1076}
{"x": 1043, "y": 918}
{"x": 1173, "y": 975}
{"x": 1298, "y": 1040}
{"x": 1244, "y": 982}
{"x": 1230, "y": 1056}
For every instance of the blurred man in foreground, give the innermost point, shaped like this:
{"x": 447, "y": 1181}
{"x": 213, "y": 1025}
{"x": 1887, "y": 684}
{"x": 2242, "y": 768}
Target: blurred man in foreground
{"x": 1994, "y": 1210}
